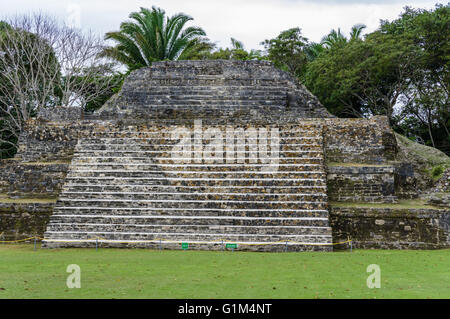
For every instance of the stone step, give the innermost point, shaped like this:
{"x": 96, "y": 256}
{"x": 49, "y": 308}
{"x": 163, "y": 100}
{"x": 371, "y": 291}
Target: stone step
{"x": 202, "y": 95}
{"x": 191, "y": 175}
{"x": 173, "y": 139}
{"x": 171, "y": 167}
{"x": 170, "y": 149}
{"x": 189, "y": 168}
{"x": 186, "y": 237}
{"x": 212, "y": 83}
{"x": 189, "y": 189}
{"x": 198, "y": 245}
{"x": 302, "y": 129}
{"x": 213, "y": 113}
{"x": 303, "y": 222}
{"x": 308, "y": 158}
{"x": 167, "y": 162}
{"x": 203, "y": 182}
{"x": 226, "y": 86}
{"x": 210, "y": 204}
{"x": 230, "y": 102}
{"x": 207, "y": 90}
{"x": 174, "y": 148}
{"x": 284, "y": 157}
{"x": 188, "y": 229}
{"x": 309, "y": 217}
{"x": 182, "y": 95}
{"x": 146, "y": 135}
{"x": 193, "y": 196}
{"x": 163, "y": 125}
{"x": 201, "y": 86}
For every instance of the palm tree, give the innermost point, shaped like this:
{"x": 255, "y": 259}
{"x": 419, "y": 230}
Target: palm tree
{"x": 313, "y": 50}
{"x": 152, "y": 36}
{"x": 236, "y": 44}
{"x": 356, "y": 32}
{"x": 238, "y": 51}
{"x": 333, "y": 38}
{"x": 336, "y": 37}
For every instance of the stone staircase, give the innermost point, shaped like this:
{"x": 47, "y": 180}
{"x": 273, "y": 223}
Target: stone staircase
{"x": 224, "y": 101}
{"x": 125, "y": 188}
{"x": 221, "y": 90}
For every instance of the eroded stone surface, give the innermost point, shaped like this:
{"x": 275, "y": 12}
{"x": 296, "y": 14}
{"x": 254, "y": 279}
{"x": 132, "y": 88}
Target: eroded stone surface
{"x": 390, "y": 228}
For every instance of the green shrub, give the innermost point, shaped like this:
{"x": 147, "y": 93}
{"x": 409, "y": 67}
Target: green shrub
{"x": 437, "y": 171}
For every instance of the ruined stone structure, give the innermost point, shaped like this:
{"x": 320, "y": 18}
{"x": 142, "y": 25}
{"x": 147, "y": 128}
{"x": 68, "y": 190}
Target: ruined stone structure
{"x": 114, "y": 178}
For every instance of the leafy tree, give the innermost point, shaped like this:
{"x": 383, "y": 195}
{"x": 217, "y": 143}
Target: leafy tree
{"x": 236, "y": 52}
{"x": 288, "y": 51}
{"x": 426, "y": 99}
{"x": 400, "y": 70}
{"x": 97, "y": 84}
{"x": 313, "y": 50}
{"x": 333, "y": 38}
{"x": 151, "y": 36}
{"x": 332, "y": 77}
{"x": 362, "y": 78}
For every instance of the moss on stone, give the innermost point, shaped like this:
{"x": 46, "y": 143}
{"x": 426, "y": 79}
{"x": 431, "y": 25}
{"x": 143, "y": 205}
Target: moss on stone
{"x": 47, "y": 163}
{"x": 336, "y": 164}
{"x": 437, "y": 171}
{"x": 402, "y": 204}
{"x": 421, "y": 154}
{"x": 27, "y": 200}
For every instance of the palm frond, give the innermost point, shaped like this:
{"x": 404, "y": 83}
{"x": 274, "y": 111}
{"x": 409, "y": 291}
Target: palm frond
{"x": 151, "y": 36}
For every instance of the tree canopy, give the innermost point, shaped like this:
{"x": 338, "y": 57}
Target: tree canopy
{"x": 288, "y": 51}
{"x": 401, "y": 70}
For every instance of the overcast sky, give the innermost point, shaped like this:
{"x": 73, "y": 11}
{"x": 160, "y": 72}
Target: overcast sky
{"x": 250, "y": 21}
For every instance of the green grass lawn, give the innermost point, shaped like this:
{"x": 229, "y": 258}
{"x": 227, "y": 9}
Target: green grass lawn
{"x": 139, "y": 273}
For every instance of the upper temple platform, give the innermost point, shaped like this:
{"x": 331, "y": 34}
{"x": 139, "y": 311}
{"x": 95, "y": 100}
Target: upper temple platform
{"x": 213, "y": 90}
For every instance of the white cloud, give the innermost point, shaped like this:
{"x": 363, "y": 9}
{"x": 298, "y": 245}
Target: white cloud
{"x": 250, "y": 21}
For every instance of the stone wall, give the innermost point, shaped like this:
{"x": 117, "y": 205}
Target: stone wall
{"x": 443, "y": 184}
{"x": 387, "y": 228}
{"x": 48, "y": 141}
{"x": 360, "y": 155}
{"x": 60, "y": 114}
{"x": 18, "y": 221}
{"x": 369, "y": 141}
{"x": 361, "y": 183}
{"x": 6, "y": 168}
{"x": 44, "y": 153}
{"x": 36, "y": 180}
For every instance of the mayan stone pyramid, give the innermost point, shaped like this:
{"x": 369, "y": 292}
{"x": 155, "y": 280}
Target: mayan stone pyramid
{"x": 249, "y": 171}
